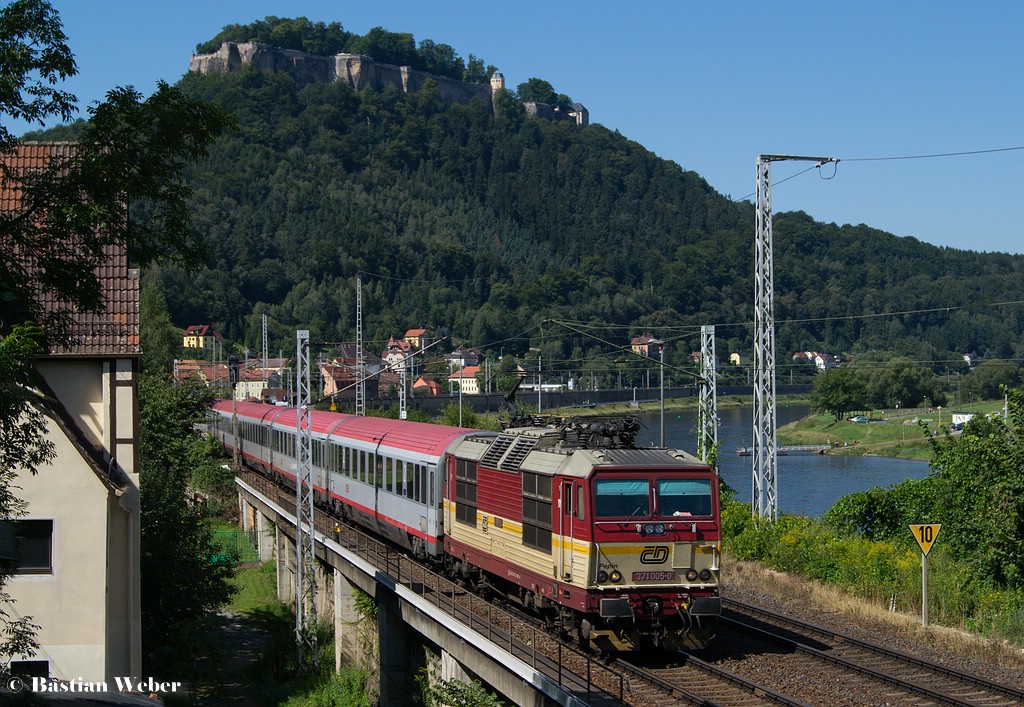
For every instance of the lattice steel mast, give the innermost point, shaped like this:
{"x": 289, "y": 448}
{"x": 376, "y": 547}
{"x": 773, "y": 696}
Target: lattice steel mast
{"x": 305, "y": 556}
{"x": 765, "y": 501}
{"x": 360, "y": 369}
{"x": 707, "y": 409}
{"x": 265, "y": 363}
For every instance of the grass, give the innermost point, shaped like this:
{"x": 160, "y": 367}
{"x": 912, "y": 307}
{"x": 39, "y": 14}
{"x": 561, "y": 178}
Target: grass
{"x": 892, "y": 437}
{"x": 255, "y": 588}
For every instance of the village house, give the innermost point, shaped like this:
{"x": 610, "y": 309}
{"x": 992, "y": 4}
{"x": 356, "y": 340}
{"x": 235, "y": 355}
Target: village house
{"x": 427, "y": 386}
{"x": 77, "y": 574}
{"x": 461, "y": 356}
{"x": 419, "y": 339}
{"x": 645, "y": 345}
{"x": 466, "y": 379}
{"x": 201, "y": 336}
{"x": 739, "y": 359}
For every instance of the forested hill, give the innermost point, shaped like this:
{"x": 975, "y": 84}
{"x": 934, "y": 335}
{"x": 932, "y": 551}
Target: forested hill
{"x": 482, "y": 222}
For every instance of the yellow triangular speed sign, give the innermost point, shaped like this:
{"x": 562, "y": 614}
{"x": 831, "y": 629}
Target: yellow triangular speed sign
{"x": 925, "y": 535}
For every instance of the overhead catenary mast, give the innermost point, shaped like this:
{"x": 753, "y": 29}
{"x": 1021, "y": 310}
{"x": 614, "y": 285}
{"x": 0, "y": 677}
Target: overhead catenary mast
{"x": 305, "y": 556}
{"x": 765, "y": 492}
{"x": 707, "y": 417}
{"x": 360, "y": 370}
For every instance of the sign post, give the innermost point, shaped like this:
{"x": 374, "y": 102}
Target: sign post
{"x": 925, "y": 535}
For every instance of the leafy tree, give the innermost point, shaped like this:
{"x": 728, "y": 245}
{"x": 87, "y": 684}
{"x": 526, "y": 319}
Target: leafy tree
{"x": 839, "y": 391}
{"x": 398, "y": 48}
{"x": 975, "y": 490}
{"x": 899, "y": 381}
{"x": 537, "y": 90}
{"x": 160, "y": 339}
{"x": 180, "y": 584}
{"x": 132, "y": 149}
{"x": 23, "y": 446}
{"x": 34, "y": 59}
{"x": 979, "y": 494}
{"x": 988, "y": 378}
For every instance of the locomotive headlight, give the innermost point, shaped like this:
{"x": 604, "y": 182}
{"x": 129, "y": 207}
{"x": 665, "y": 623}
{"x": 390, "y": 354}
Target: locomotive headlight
{"x": 652, "y": 605}
{"x": 691, "y": 575}
{"x": 602, "y": 577}
{"x": 616, "y": 576}
{"x": 654, "y": 529}
{"x": 705, "y": 575}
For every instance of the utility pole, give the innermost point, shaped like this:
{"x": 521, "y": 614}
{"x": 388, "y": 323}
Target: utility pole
{"x": 707, "y": 417}
{"x": 305, "y": 555}
{"x": 765, "y": 492}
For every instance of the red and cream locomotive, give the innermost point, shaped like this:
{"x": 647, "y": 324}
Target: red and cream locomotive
{"x": 616, "y": 545}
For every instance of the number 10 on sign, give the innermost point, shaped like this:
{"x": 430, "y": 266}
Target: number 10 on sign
{"x": 925, "y": 535}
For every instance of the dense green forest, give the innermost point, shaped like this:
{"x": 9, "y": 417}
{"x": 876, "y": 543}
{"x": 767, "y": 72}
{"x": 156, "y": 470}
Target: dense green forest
{"x": 481, "y": 222}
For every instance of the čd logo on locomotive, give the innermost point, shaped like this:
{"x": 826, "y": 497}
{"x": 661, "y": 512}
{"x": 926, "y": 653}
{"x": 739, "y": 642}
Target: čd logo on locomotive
{"x": 654, "y": 555}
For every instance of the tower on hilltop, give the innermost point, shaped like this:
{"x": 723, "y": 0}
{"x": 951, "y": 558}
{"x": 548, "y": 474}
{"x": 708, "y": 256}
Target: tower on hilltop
{"x": 497, "y": 82}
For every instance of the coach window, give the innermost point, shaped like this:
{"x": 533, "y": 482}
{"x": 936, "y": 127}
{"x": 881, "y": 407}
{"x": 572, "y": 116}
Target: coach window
{"x": 580, "y": 496}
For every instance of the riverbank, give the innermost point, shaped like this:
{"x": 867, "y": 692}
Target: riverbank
{"x": 894, "y": 432}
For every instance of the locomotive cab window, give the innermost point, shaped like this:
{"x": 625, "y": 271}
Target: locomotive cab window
{"x": 622, "y": 498}
{"x": 684, "y": 497}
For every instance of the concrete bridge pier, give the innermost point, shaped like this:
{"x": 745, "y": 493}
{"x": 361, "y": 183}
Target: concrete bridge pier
{"x": 347, "y": 643}
{"x": 286, "y": 570}
{"x": 253, "y": 519}
{"x": 401, "y": 651}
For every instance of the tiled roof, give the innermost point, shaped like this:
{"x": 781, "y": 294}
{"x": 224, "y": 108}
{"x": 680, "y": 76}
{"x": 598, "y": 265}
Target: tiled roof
{"x": 115, "y": 329}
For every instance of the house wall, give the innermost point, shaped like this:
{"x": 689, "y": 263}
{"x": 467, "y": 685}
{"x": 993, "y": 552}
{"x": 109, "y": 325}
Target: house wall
{"x": 96, "y": 530}
{"x": 70, "y": 605}
{"x": 79, "y": 385}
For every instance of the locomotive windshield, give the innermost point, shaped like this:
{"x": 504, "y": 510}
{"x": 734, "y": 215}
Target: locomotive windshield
{"x": 684, "y": 497}
{"x": 631, "y": 498}
{"x": 614, "y": 498}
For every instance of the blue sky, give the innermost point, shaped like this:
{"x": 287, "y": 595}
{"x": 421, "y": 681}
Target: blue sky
{"x": 708, "y": 85}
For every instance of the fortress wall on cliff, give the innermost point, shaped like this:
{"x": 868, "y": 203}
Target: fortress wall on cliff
{"x": 356, "y": 70}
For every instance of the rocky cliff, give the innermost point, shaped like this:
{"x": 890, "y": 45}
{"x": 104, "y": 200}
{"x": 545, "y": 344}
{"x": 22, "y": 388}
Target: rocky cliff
{"x": 356, "y": 70}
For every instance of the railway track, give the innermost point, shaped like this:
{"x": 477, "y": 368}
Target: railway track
{"x": 869, "y": 673}
{"x": 758, "y": 658}
{"x": 690, "y": 680}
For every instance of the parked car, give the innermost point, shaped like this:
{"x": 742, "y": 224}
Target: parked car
{"x": 859, "y": 418}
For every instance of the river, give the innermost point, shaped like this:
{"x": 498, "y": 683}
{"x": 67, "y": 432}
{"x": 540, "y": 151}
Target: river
{"x": 809, "y": 484}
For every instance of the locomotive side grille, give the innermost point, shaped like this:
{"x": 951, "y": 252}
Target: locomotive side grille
{"x": 517, "y": 454}
{"x": 496, "y": 451}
